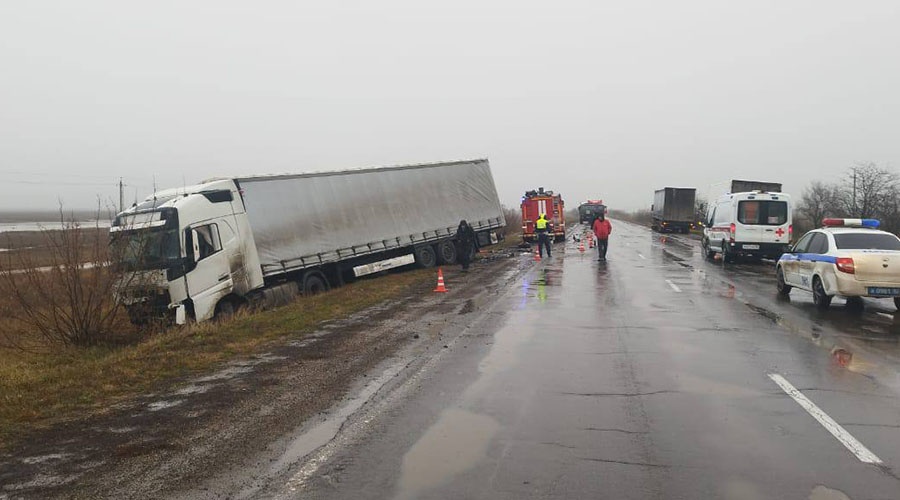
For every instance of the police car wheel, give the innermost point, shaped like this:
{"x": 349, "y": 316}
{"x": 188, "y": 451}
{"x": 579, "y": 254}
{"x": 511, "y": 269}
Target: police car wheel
{"x": 783, "y": 288}
{"x": 821, "y": 299}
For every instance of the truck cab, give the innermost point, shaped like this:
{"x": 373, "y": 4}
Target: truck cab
{"x": 185, "y": 252}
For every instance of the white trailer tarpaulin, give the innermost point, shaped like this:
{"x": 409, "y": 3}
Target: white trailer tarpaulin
{"x": 309, "y": 219}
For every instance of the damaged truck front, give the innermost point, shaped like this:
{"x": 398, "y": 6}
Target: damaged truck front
{"x": 185, "y": 253}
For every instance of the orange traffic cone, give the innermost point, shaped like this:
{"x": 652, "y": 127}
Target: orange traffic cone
{"x": 537, "y": 254}
{"x": 440, "y": 285}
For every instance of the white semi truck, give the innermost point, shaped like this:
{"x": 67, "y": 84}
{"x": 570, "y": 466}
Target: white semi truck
{"x": 199, "y": 251}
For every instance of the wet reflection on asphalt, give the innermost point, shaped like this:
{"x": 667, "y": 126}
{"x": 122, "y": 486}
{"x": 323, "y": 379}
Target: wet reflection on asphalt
{"x": 646, "y": 376}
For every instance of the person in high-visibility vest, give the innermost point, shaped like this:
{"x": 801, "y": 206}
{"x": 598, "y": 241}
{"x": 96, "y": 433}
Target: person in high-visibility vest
{"x": 542, "y": 227}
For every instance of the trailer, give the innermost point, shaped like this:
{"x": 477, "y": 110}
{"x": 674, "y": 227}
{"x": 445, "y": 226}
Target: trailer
{"x": 739, "y": 186}
{"x": 537, "y": 202}
{"x": 590, "y": 210}
{"x": 673, "y": 209}
{"x": 199, "y": 251}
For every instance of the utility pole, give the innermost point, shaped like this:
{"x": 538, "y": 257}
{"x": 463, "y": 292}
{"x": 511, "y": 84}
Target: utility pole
{"x": 121, "y": 196}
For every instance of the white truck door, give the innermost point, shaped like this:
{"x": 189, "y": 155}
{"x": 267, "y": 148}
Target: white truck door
{"x": 210, "y": 279}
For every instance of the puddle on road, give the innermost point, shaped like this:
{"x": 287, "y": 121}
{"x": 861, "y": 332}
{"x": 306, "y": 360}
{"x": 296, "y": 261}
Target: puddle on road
{"x": 456, "y": 443}
{"x": 824, "y": 493}
{"x": 319, "y": 435}
{"x": 40, "y": 459}
{"x": 162, "y": 405}
{"x": 742, "y": 489}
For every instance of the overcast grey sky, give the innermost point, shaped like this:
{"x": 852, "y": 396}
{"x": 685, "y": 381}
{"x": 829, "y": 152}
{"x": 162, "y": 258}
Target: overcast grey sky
{"x": 589, "y": 98}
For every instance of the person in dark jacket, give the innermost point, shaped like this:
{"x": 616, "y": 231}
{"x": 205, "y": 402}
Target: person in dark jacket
{"x": 602, "y": 229}
{"x": 466, "y": 244}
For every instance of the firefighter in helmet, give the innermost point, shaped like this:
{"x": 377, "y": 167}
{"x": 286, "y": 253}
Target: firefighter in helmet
{"x": 542, "y": 227}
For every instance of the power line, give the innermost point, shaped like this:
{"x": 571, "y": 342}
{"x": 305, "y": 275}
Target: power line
{"x": 61, "y": 183}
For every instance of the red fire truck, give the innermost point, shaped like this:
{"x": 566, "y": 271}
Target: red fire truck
{"x": 535, "y": 203}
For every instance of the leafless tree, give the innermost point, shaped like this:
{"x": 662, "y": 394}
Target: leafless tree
{"x": 68, "y": 302}
{"x": 701, "y": 211}
{"x": 820, "y": 200}
{"x": 866, "y": 190}
{"x": 513, "y": 218}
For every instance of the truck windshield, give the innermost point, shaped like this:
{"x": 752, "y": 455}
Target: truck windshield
{"x": 762, "y": 212}
{"x": 864, "y": 241}
{"x": 146, "y": 249}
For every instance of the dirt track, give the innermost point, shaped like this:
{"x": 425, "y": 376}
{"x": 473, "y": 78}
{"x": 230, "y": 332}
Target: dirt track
{"x": 191, "y": 439}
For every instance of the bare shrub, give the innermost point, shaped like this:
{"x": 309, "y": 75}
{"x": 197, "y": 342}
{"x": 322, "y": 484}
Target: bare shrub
{"x": 513, "y": 218}
{"x": 63, "y": 295}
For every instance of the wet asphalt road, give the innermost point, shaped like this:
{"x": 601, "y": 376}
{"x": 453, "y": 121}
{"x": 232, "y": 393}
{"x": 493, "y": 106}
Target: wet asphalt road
{"x": 649, "y": 376}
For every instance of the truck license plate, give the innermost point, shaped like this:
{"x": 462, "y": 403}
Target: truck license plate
{"x": 750, "y": 247}
{"x": 884, "y": 292}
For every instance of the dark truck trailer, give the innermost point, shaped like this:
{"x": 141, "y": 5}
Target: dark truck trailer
{"x": 739, "y": 186}
{"x": 673, "y": 209}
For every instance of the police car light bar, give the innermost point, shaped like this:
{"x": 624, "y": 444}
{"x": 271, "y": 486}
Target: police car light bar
{"x": 868, "y": 223}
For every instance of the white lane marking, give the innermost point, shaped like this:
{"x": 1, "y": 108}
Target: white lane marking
{"x": 841, "y": 434}
{"x": 642, "y": 256}
{"x": 674, "y": 286}
{"x": 886, "y": 315}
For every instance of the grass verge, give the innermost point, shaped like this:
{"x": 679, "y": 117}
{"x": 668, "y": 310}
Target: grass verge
{"x": 39, "y": 390}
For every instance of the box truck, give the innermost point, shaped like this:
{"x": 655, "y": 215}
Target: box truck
{"x": 673, "y": 209}
{"x": 198, "y": 251}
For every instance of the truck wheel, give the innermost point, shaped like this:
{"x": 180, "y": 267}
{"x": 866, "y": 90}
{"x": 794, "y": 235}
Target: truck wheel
{"x": 138, "y": 315}
{"x": 224, "y": 310}
{"x": 314, "y": 283}
{"x": 783, "y": 288}
{"x": 447, "y": 252}
{"x": 821, "y": 299}
{"x": 425, "y": 256}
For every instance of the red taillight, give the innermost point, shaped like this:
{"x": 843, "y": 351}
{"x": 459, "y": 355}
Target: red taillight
{"x": 845, "y": 265}
{"x": 733, "y": 229}
{"x": 791, "y": 232}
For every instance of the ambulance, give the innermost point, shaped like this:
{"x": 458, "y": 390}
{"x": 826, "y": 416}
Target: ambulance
{"x": 754, "y": 224}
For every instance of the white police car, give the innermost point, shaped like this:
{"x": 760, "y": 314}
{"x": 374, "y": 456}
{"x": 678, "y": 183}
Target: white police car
{"x": 847, "y": 257}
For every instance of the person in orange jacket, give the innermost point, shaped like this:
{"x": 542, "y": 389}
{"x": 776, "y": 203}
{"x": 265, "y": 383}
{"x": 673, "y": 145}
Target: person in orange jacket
{"x": 602, "y": 229}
